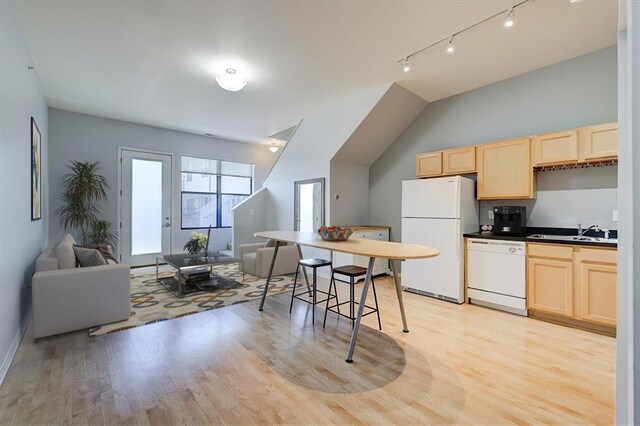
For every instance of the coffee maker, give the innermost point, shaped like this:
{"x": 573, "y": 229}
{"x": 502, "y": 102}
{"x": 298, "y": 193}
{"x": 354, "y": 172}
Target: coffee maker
{"x": 510, "y": 220}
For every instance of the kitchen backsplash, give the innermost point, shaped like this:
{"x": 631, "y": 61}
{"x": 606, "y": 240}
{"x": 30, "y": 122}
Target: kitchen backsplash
{"x": 568, "y": 197}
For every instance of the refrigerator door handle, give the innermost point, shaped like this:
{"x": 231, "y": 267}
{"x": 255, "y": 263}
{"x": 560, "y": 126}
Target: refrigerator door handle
{"x": 457, "y": 249}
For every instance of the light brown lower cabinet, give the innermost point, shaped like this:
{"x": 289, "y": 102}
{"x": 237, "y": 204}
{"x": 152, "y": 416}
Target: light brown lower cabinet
{"x": 598, "y": 286}
{"x": 573, "y": 282}
{"x": 552, "y": 289}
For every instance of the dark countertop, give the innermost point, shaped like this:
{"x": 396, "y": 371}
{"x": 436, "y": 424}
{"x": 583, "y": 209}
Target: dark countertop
{"x": 546, "y": 231}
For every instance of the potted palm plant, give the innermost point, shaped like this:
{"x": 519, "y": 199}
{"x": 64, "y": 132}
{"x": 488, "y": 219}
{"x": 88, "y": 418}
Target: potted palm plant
{"x": 102, "y": 233}
{"x": 81, "y": 189}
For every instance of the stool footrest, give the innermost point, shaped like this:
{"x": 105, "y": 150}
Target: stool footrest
{"x": 308, "y": 294}
{"x": 372, "y": 310}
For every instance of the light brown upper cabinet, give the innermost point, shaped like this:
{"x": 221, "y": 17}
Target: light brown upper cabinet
{"x": 505, "y": 171}
{"x": 459, "y": 161}
{"x": 598, "y": 142}
{"x": 429, "y": 164}
{"x": 555, "y": 148}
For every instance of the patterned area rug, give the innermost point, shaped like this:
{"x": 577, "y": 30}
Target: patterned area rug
{"x": 151, "y": 302}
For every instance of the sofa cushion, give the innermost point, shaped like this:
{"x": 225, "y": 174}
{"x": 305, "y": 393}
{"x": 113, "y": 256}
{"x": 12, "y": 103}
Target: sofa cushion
{"x": 88, "y": 257}
{"x": 66, "y": 256}
{"x": 68, "y": 238}
{"x": 272, "y": 243}
{"x": 47, "y": 261}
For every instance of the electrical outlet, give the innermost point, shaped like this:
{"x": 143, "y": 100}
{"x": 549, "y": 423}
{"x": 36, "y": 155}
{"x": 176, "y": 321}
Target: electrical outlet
{"x": 490, "y": 213}
{"x": 614, "y": 216}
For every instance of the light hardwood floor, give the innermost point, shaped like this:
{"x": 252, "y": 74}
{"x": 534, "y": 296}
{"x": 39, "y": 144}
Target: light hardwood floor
{"x": 462, "y": 364}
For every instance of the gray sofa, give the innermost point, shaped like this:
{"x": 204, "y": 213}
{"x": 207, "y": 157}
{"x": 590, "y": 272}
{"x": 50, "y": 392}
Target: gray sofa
{"x": 68, "y": 298}
{"x": 256, "y": 259}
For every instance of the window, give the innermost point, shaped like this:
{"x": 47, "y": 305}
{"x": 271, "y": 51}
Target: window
{"x": 211, "y": 189}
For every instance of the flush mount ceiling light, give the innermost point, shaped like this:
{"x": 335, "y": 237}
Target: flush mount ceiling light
{"x": 230, "y": 80}
{"x": 273, "y": 147}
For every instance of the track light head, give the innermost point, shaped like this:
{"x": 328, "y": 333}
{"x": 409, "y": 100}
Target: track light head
{"x": 511, "y": 18}
{"x": 405, "y": 65}
{"x": 450, "y": 47}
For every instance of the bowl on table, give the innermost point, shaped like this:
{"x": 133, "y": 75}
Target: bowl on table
{"x": 334, "y": 233}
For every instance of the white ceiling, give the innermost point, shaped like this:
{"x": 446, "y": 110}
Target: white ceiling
{"x": 154, "y": 62}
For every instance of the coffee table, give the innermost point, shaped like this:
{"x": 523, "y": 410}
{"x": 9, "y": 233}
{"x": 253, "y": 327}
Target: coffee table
{"x": 185, "y": 262}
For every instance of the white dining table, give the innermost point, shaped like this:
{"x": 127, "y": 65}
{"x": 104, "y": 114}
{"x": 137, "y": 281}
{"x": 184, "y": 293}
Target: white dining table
{"x": 371, "y": 249}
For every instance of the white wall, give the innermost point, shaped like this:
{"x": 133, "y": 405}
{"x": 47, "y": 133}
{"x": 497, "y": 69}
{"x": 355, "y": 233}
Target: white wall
{"x": 249, "y": 218}
{"x": 628, "y": 297}
{"x": 573, "y": 93}
{"x": 21, "y": 240}
{"x": 309, "y": 152}
{"x": 87, "y": 138}
{"x": 349, "y": 194}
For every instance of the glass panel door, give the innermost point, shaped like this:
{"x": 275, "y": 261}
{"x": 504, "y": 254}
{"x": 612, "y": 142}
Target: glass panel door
{"x": 146, "y": 206}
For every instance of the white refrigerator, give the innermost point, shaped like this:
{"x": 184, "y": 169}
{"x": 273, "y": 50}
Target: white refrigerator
{"x": 436, "y": 213}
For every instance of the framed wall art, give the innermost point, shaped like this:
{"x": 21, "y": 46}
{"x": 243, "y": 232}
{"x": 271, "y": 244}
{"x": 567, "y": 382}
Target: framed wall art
{"x": 36, "y": 171}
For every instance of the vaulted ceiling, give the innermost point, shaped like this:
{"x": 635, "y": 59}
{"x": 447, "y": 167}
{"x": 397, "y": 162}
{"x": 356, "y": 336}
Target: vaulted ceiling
{"x": 154, "y": 62}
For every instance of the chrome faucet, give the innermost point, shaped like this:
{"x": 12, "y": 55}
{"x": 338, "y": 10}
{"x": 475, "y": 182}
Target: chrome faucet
{"x": 581, "y": 231}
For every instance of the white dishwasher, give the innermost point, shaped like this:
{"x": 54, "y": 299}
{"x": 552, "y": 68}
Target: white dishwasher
{"x": 496, "y": 274}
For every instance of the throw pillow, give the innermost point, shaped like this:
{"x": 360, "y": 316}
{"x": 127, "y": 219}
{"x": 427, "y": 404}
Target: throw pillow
{"x": 89, "y": 257}
{"x": 105, "y": 250}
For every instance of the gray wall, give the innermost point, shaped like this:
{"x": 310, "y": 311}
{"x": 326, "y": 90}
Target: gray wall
{"x": 21, "y": 240}
{"x": 349, "y": 194}
{"x": 87, "y": 138}
{"x": 573, "y": 93}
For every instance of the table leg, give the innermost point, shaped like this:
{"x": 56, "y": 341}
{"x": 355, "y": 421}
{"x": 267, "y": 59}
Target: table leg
{"x": 304, "y": 270}
{"x": 363, "y": 299}
{"x": 266, "y": 286}
{"x": 156, "y": 269}
{"x": 394, "y": 268}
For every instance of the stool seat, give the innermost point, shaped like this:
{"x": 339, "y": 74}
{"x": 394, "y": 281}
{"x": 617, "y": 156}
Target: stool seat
{"x": 350, "y": 270}
{"x": 314, "y": 262}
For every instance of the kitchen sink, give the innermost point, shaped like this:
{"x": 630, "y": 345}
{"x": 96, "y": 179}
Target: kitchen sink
{"x": 578, "y": 238}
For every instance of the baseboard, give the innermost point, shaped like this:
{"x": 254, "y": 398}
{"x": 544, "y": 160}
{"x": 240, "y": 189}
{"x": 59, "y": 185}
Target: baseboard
{"x": 6, "y": 363}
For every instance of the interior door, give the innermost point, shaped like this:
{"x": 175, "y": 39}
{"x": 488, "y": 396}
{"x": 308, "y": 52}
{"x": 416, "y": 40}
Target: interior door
{"x": 308, "y": 211}
{"x": 308, "y": 205}
{"x": 146, "y": 206}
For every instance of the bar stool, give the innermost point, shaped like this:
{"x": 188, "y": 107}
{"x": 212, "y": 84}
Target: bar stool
{"x": 313, "y": 263}
{"x": 351, "y": 271}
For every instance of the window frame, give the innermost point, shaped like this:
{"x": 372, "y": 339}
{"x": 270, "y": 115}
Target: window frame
{"x": 218, "y": 194}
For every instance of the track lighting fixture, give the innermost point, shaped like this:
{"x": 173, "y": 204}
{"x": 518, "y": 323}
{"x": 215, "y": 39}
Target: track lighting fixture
{"x": 405, "y": 65}
{"x": 450, "y": 47}
{"x": 511, "y": 18}
{"x": 508, "y": 22}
